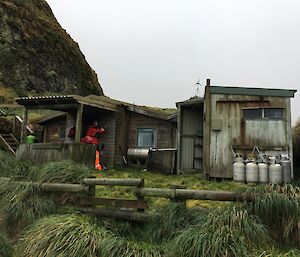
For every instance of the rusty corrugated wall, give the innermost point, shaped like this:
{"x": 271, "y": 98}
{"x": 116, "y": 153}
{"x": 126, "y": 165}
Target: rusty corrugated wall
{"x": 227, "y": 128}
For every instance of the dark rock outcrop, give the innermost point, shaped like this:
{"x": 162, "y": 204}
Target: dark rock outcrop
{"x": 37, "y": 56}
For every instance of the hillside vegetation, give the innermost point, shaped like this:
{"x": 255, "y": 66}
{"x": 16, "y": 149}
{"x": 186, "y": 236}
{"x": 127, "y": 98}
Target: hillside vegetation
{"x": 37, "y": 55}
{"x": 32, "y": 224}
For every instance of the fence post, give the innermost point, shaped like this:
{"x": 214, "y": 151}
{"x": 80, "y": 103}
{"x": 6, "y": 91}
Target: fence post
{"x": 92, "y": 188}
{"x": 138, "y": 196}
{"x": 174, "y": 186}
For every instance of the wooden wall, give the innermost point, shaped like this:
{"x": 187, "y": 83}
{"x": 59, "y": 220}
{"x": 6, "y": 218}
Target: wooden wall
{"x": 51, "y": 130}
{"x": 164, "y": 130}
{"x": 122, "y": 128}
{"x": 44, "y": 152}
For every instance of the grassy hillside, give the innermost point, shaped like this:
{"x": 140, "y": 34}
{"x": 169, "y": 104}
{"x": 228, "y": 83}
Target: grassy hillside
{"x": 37, "y": 55}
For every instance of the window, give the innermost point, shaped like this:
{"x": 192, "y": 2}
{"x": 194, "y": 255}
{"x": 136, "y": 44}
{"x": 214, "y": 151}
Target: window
{"x": 252, "y": 114}
{"x": 145, "y": 137}
{"x": 273, "y": 113}
{"x": 263, "y": 113}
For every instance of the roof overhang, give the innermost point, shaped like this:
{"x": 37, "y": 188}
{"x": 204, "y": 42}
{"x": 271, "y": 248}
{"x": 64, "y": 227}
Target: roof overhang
{"x": 273, "y": 92}
{"x": 62, "y": 102}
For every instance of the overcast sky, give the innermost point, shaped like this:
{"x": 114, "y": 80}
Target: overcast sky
{"x": 153, "y": 52}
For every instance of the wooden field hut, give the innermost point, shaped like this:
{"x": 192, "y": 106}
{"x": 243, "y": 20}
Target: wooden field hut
{"x": 229, "y": 118}
{"x": 127, "y": 126}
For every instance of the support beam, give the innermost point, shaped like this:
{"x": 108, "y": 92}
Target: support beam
{"x": 50, "y": 187}
{"x": 113, "y": 181}
{"x": 78, "y": 123}
{"x": 196, "y": 194}
{"x": 24, "y": 126}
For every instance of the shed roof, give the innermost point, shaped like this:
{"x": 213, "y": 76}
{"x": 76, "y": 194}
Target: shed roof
{"x": 159, "y": 113}
{"x": 252, "y": 91}
{"x": 63, "y": 102}
{"x": 195, "y": 100}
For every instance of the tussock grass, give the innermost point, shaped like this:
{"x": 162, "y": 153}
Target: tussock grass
{"x": 6, "y": 249}
{"x": 22, "y": 204}
{"x": 275, "y": 252}
{"x": 230, "y": 232}
{"x": 7, "y": 164}
{"x": 172, "y": 218}
{"x": 175, "y": 216}
{"x": 78, "y": 236}
{"x": 281, "y": 214}
{"x": 66, "y": 235}
{"x": 64, "y": 172}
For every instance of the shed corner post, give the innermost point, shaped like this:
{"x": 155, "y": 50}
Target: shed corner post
{"x": 24, "y": 125}
{"x": 207, "y": 130}
{"x": 78, "y": 123}
{"x": 178, "y": 161}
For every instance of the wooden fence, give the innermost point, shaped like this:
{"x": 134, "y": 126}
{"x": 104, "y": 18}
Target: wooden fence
{"x": 84, "y": 198}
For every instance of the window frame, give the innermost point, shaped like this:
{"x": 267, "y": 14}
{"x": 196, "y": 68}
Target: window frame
{"x": 154, "y": 137}
{"x": 263, "y": 116}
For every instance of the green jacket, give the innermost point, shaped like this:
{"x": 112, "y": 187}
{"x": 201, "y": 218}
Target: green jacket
{"x": 30, "y": 139}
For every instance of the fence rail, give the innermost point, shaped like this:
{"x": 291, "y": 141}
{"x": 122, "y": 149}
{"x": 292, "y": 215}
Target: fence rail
{"x": 129, "y": 209}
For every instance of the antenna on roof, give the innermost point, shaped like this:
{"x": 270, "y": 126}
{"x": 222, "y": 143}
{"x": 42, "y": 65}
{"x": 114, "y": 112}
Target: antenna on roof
{"x": 197, "y": 84}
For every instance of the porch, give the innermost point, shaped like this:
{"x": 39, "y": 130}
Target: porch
{"x": 78, "y": 112}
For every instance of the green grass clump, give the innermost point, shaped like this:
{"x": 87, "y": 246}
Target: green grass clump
{"x": 176, "y": 216}
{"x": 7, "y": 164}
{"x": 230, "y": 232}
{"x": 78, "y": 236}
{"x": 64, "y": 172}
{"x": 22, "y": 204}
{"x": 281, "y": 214}
{"x": 275, "y": 252}
{"x": 6, "y": 248}
{"x": 67, "y": 235}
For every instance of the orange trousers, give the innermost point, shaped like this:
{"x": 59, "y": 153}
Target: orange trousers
{"x": 97, "y": 161}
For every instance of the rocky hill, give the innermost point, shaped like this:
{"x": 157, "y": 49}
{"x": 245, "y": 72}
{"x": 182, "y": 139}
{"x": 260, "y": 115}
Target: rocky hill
{"x": 37, "y": 56}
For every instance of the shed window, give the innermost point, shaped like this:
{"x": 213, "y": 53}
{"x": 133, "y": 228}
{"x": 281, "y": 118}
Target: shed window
{"x": 145, "y": 137}
{"x": 252, "y": 114}
{"x": 273, "y": 113}
{"x": 263, "y": 113}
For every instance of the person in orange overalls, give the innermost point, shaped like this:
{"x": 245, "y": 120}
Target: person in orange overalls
{"x": 91, "y": 137}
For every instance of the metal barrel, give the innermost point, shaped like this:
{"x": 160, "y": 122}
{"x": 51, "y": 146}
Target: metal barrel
{"x": 239, "y": 173}
{"x": 263, "y": 173}
{"x": 137, "y": 153}
{"x": 286, "y": 170}
{"x": 251, "y": 172}
{"x": 275, "y": 173}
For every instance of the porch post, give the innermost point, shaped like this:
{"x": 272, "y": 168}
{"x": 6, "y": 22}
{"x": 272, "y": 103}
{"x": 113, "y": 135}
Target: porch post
{"x": 78, "y": 123}
{"x": 24, "y": 126}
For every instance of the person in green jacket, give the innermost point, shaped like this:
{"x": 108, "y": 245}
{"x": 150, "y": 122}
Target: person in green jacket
{"x": 31, "y": 138}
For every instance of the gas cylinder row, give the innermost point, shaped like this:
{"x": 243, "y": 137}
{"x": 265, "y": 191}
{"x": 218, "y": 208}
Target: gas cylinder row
{"x": 275, "y": 170}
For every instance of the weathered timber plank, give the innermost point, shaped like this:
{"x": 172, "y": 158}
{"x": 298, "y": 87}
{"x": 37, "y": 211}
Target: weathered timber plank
{"x": 118, "y": 214}
{"x": 195, "y": 194}
{"x": 90, "y": 201}
{"x": 113, "y": 181}
{"x": 52, "y": 187}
